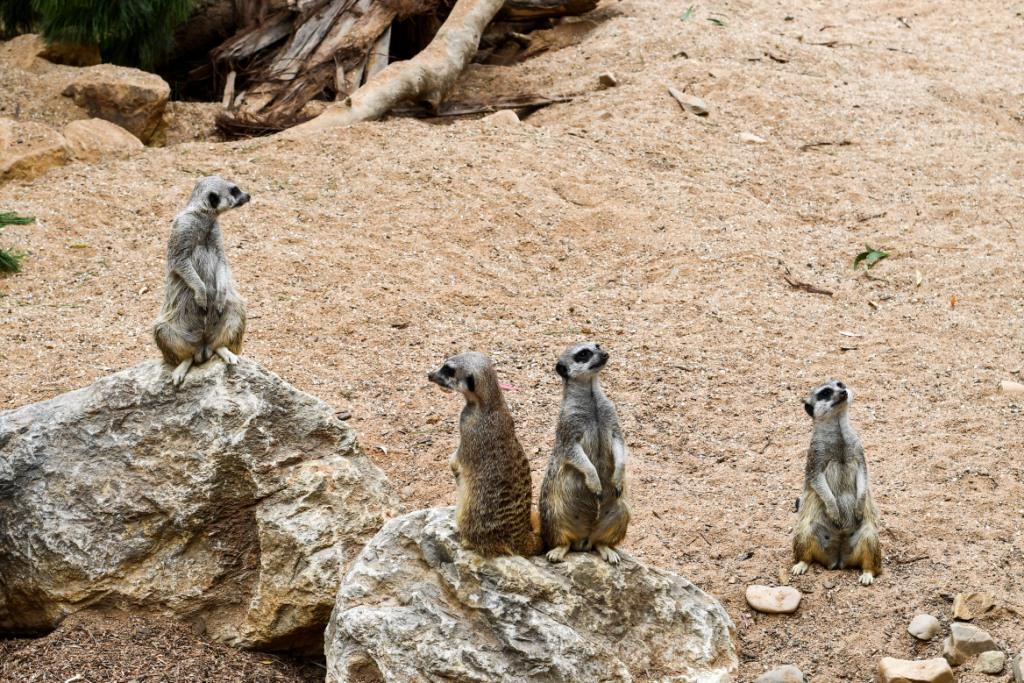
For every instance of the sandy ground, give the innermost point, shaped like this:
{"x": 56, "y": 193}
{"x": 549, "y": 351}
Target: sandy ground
{"x": 369, "y": 254}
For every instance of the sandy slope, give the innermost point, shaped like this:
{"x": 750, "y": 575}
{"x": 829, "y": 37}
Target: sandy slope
{"x": 369, "y": 254}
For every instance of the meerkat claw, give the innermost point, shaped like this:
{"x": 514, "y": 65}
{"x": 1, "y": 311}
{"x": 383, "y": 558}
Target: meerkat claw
{"x": 799, "y": 568}
{"x": 607, "y": 554}
{"x": 867, "y": 578}
{"x": 558, "y": 554}
{"x": 178, "y": 376}
{"x": 229, "y": 357}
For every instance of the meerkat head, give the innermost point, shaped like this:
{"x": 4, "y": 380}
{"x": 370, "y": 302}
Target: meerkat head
{"x": 469, "y": 373}
{"x": 215, "y": 194}
{"x": 828, "y": 400}
{"x": 581, "y": 361}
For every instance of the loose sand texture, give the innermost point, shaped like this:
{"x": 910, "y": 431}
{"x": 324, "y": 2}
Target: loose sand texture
{"x": 370, "y": 254}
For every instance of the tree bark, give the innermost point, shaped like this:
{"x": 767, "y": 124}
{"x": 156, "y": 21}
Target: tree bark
{"x": 426, "y": 77}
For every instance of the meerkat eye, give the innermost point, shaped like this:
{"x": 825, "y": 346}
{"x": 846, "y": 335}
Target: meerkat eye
{"x": 824, "y": 394}
{"x": 582, "y": 356}
{"x": 447, "y": 371}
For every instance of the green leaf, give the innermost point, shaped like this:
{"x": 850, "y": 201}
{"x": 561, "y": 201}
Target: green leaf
{"x": 688, "y": 14}
{"x": 716, "y": 21}
{"x": 869, "y": 257}
{"x": 10, "y": 261}
{"x": 12, "y": 218}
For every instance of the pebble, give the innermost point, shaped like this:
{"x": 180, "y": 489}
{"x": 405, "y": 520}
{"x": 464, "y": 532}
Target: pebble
{"x": 1018, "y": 668}
{"x": 968, "y": 606}
{"x": 783, "y": 674}
{"x": 892, "y": 670}
{"x": 924, "y": 627}
{"x": 781, "y": 600}
{"x": 505, "y": 118}
{"x": 690, "y": 103}
{"x": 1009, "y": 387}
{"x": 991, "y": 662}
{"x": 752, "y": 139}
{"x": 608, "y": 80}
{"x": 965, "y": 641}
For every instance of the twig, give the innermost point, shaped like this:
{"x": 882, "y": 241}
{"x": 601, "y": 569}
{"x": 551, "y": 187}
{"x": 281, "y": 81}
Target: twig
{"x": 910, "y": 560}
{"x": 825, "y": 143}
{"x": 805, "y": 286}
{"x": 903, "y": 21}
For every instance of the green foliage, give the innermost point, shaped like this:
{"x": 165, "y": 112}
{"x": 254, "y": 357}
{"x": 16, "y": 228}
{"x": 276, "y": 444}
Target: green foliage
{"x": 130, "y": 32}
{"x": 10, "y": 261}
{"x": 869, "y": 257}
{"x": 12, "y": 218}
{"x": 688, "y": 14}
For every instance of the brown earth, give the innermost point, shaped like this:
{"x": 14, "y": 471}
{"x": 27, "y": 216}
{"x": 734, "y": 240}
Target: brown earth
{"x": 370, "y": 254}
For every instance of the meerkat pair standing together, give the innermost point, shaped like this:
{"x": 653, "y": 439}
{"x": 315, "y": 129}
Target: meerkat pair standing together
{"x": 202, "y": 314}
{"x": 583, "y": 498}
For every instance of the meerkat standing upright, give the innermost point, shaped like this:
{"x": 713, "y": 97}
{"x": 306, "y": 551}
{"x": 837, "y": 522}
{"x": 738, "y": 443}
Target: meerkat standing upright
{"x": 837, "y": 523}
{"x": 583, "y": 502}
{"x": 202, "y": 313}
{"x": 492, "y": 474}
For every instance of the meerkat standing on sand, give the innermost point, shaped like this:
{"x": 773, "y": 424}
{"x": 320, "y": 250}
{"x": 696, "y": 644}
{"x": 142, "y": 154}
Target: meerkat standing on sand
{"x": 583, "y": 501}
{"x": 837, "y": 523}
{"x": 492, "y": 474}
{"x": 202, "y": 314}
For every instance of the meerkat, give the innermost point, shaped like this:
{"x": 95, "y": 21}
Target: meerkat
{"x": 492, "y": 474}
{"x": 583, "y": 499}
{"x": 837, "y": 522}
{"x": 202, "y": 314}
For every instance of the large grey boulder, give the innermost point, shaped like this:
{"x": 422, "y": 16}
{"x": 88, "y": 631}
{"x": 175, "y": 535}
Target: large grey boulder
{"x": 234, "y": 502}
{"x": 417, "y": 607}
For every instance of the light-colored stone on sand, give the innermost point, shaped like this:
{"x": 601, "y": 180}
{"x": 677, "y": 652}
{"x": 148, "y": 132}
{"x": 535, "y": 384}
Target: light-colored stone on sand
{"x": 965, "y": 641}
{"x": 94, "y": 139}
{"x": 783, "y": 674}
{"x": 891, "y": 670}
{"x": 773, "y": 600}
{"x": 970, "y": 606}
{"x": 133, "y": 99}
{"x": 924, "y": 627}
{"x": 29, "y": 149}
{"x": 991, "y": 662}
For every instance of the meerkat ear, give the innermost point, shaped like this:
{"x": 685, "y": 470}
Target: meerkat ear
{"x": 214, "y": 200}
{"x": 562, "y": 371}
{"x": 471, "y": 382}
{"x": 809, "y": 408}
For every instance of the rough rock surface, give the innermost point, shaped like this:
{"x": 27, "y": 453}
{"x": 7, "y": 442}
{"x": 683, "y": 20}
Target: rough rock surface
{"x": 783, "y": 674}
{"x": 416, "y": 607}
{"x": 991, "y": 662}
{"x": 970, "y": 606}
{"x": 29, "y": 149}
{"x": 21, "y": 51}
{"x": 965, "y": 641}
{"x": 924, "y": 627}
{"x": 892, "y": 670}
{"x": 773, "y": 600}
{"x": 133, "y": 99}
{"x": 93, "y": 139}
{"x": 1018, "y": 668}
{"x": 235, "y": 502}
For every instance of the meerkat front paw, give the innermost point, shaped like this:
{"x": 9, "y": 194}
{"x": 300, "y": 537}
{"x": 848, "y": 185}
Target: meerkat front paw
{"x": 558, "y": 554}
{"x": 607, "y": 554}
{"x": 594, "y": 485}
{"x": 867, "y": 578}
{"x": 229, "y": 357}
{"x": 617, "y": 483}
{"x": 799, "y": 568}
{"x": 832, "y": 512}
{"x": 178, "y": 376}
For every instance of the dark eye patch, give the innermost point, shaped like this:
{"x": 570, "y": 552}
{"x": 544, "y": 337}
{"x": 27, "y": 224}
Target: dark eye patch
{"x": 235, "y": 192}
{"x": 214, "y": 199}
{"x": 582, "y": 356}
{"x": 447, "y": 371}
{"x": 825, "y": 394}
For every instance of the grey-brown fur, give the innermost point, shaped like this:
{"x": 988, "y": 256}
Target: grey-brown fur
{"x": 202, "y": 313}
{"x": 583, "y": 500}
{"x": 492, "y": 474}
{"x": 837, "y": 523}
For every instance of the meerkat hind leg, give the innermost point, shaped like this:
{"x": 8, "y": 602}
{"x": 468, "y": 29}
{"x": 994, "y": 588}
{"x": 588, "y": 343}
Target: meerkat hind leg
{"x": 229, "y": 357}
{"x": 558, "y": 554}
{"x": 607, "y": 553}
{"x": 178, "y": 376}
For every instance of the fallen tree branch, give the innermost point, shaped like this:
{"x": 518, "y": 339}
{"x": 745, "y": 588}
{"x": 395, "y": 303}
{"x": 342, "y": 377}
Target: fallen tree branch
{"x": 426, "y": 77}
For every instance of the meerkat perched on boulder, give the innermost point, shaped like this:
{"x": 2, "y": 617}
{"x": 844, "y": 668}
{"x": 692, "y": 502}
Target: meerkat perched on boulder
{"x": 492, "y": 474}
{"x": 583, "y": 502}
{"x": 202, "y": 314}
{"x": 837, "y": 523}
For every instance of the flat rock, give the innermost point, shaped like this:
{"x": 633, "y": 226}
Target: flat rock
{"x": 94, "y": 139}
{"x": 970, "y": 606}
{"x": 234, "y": 502}
{"x": 991, "y": 662}
{"x": 892, "y": 670}
{"x": 607, "y": 80}
{"x": 417, "y": 607}
{"x": 777, "y": 600}
{"x": 751, "y": 138}
{"x": 133, "y": 99}
{"x": 965, "y": 641}
{"x": 924, "y": 627}
{"x": 21, "y": 51}
{"x": 29, "y": 149}
{"x": 690, "y": 103}
{"x": 1008, "y": 387}
{"x": 783, "y": 674}
{"x": 1018, "y": 667}
{"x": 506, "y": 118}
